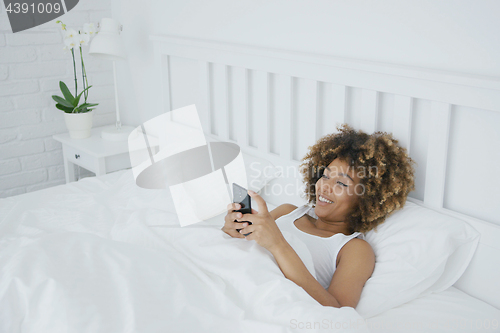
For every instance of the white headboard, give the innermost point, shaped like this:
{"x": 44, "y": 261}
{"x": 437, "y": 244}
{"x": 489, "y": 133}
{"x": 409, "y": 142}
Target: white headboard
{"x": 275, "y": 103}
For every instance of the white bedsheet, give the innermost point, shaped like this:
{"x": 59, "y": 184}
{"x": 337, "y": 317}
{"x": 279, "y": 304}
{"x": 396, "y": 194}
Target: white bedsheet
{"x": 103, "y": 255}
{"x": 449, "y": 311}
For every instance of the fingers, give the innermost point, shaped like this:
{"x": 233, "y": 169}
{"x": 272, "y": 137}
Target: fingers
{"x": 260, "y": 202}
{"x": 234, "y": 216}
{"x": 240, "y": 225}
{"x": 233, "y": 206}
{"x": 248, "y": 218}
{"x": 232, "y": 229}
{"x": 236, "y": 221}
{"x": 247, "y": 231}
{"x": 230, "y": 226}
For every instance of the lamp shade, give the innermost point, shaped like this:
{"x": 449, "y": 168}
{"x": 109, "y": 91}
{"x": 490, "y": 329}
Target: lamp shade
{"x": 107, "y": 44}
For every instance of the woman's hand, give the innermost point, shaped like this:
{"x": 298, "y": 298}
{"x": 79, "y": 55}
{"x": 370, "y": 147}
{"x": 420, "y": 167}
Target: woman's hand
{"x": 263, "y": 229}
{"x": 229, "y": 225}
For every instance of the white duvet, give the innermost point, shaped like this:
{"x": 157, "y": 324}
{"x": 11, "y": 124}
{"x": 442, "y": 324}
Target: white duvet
{"x": 103, "y": 255}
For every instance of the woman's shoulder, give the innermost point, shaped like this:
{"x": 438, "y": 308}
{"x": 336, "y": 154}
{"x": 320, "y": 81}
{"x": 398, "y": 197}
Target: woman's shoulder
{"x": 357, "y": 248}
{"x": 282, "y": 210}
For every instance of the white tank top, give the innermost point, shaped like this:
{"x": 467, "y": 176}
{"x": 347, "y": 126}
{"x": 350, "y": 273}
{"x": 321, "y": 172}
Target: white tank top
{"x": 323, "y": 250}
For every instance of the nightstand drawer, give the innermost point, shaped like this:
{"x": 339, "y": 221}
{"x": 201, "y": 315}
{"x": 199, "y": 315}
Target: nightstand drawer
{"x": 118, "y": 162}
{"x": 79, "y": 157}
{"x": 94, "y": 154}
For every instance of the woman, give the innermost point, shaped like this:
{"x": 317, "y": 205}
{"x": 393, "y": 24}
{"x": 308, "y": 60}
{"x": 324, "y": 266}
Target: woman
{"x": 353, "y": 181}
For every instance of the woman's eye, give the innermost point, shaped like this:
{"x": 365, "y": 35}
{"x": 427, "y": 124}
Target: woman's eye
{"x": 324, "y": 176}
{"x": 341, "y": 184}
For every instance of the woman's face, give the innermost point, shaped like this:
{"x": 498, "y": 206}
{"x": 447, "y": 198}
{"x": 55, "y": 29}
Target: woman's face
{"x": 341, "y": 187}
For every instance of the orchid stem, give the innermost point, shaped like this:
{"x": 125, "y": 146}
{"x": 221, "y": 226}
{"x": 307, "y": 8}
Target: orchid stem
{"x": 84, "y": 75}
{"x": 74, "y": 69}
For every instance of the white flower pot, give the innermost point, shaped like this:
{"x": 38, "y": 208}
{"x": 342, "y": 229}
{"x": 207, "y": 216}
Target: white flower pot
{"x": 79, "y": 124}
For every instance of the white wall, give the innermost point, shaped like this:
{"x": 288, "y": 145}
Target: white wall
{"x": 458, "y": 36}
{"x": 31, "y": 65}
{"x": 454, "y": 35}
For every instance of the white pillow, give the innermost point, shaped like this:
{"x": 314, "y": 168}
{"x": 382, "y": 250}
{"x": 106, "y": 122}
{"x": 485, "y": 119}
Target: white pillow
{"x": 259, "y": 172}
{"x": 418, "y": 251}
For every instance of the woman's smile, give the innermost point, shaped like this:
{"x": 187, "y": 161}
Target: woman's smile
{"x": 333, "y": 199}
{"x": 322, "y": 201}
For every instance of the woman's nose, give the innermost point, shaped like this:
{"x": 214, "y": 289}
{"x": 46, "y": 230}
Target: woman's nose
{"x": 326, "y": 187}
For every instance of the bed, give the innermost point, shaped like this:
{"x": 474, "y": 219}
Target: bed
{"x": 106, "y": 255}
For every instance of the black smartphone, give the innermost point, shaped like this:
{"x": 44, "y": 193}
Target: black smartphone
{"x": 240, "y": 195}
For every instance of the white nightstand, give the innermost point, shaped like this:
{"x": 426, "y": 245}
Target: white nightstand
{"x": 93, "y": 153}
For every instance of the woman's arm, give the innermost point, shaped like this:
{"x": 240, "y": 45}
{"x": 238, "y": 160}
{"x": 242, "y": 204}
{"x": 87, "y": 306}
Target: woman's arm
{"x": 282, "y": 210}
{"x": 354, "y": 268}
{"x": 294, "y": 269}
{"x": 356, "y": 265}
{"x": 356, "y": 262}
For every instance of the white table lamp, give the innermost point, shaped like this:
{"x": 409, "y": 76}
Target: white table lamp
{"x": 107, "y": 44}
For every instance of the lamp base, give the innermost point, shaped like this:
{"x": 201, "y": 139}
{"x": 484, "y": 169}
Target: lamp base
{"x": 111, "y": 133}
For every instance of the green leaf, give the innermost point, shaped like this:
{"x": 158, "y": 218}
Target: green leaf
{"x": 67, "y": 94}
{"x": 64, "y": 108}
{"x": 88, "y": 105}
{"x": 82, "y": 109}
{"x": 62, "y": 101}
{"x": 78, "y": 97}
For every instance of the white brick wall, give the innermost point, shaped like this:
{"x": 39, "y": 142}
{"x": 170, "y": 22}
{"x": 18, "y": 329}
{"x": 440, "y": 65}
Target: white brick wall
{"x": 4, "y": 72}
{"x": 6, "y": 104}
{"x": 18, "y": 54}
{"x": 31, "y": 65}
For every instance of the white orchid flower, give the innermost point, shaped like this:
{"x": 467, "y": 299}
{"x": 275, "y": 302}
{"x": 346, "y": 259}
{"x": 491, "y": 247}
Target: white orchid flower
{"x": 72, "y": 42}
{"x": 89, "y": 28}
{"x": 83, "y": 39}
{"x": 70, "y": 33}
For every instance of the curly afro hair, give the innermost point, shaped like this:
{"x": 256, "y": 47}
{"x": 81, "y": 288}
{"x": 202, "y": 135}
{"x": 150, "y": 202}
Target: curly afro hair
{"x": 387, "y": 177}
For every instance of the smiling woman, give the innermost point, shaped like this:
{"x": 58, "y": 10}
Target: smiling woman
{"x": 372, "y": 168}
{"x": 353, "y": 181}
{"x": 336, "y": 197}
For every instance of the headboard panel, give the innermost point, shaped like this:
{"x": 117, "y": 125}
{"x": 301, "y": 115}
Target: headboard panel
{"x": 244, "y": 89}
{"x": 275, "y": 103}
